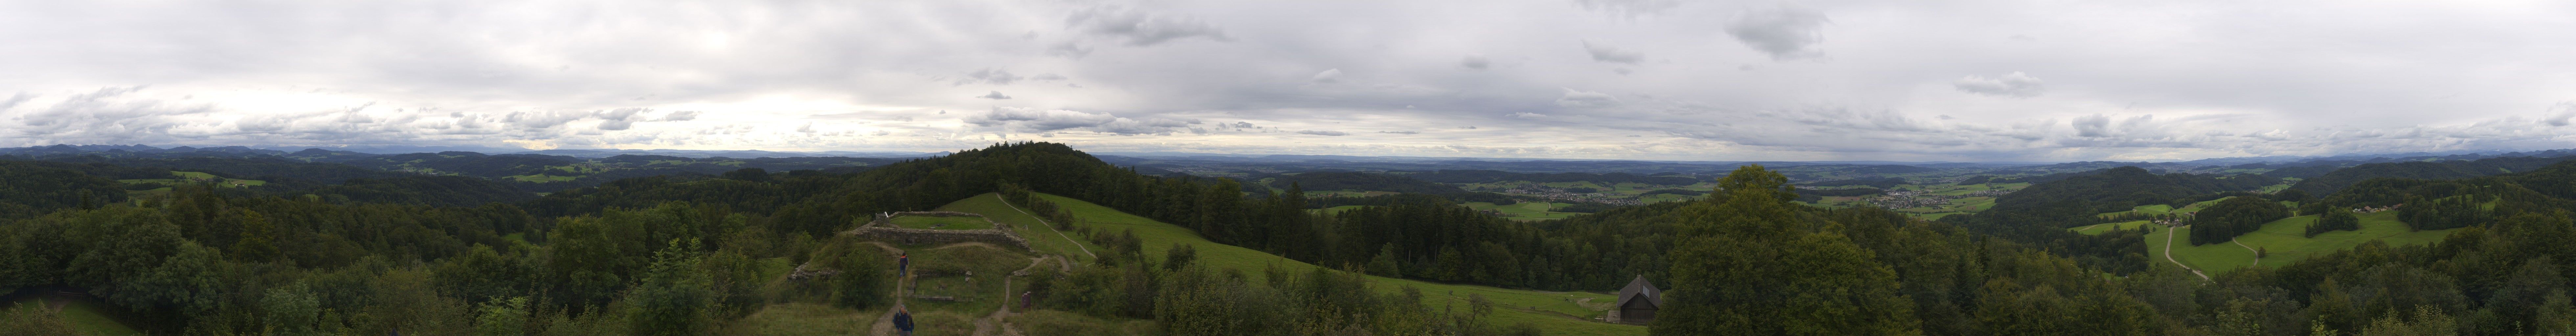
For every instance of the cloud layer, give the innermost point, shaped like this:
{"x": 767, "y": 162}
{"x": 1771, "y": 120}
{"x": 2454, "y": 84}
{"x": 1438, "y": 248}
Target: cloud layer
{"x": 1624, "y": 79}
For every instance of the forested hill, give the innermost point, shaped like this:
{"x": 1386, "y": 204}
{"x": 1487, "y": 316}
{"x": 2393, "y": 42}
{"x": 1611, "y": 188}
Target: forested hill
{"x": 2336, "y": 180}
{"x": 2113, "y": 190}
{"x": 691, "y": 254}
{"x": 2039, "y": 214}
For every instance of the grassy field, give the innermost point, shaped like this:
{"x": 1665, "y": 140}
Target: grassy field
{"x": 181, "y": 177}
{"x": 1547, "y": 310}
{"x": 940, "y": 223}
{"x": 2160, "y": 209}
{"x": 1336, "y": 209}
{"x": 88, "y": 316}
{"x": 944, "y": 272}
{"x": 1524, "y": 210}
{"x": 2107, "y": 227}
{"x": 541, "y": 178}
{"x": 2286, "y": 242}
{"x": 1043, "y": 238}
{"x": 804, "y": 319}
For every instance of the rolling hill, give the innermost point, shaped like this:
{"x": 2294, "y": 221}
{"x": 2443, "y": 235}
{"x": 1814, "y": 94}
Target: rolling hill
{"x": 1560, "y": 313}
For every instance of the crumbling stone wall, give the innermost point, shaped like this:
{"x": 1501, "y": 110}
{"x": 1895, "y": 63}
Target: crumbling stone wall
{"x": 880, "y": 229}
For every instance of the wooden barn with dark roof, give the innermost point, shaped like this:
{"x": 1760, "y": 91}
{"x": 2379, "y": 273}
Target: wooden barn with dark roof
{"x": 1637, "y": 302}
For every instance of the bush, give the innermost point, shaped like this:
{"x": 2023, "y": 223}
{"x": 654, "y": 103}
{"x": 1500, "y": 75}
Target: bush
{"x": 862, "y": 282}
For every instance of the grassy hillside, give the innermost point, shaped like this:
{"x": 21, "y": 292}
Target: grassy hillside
{"x": 1041, "y": 237}
{"x": 1525, "y": 210}
{"x": 2286, "y": 242}
{"x": 87, "y": 315}
{"x": 940, "y": 223}
{"x": 2107, "y": 227}
{"x": 1557, "y": 313}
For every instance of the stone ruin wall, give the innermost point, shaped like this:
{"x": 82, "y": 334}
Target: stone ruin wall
{"x": 881, "y": 228}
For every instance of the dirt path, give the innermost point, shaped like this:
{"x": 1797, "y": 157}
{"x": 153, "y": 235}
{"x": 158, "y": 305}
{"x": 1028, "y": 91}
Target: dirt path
{"x": 2258, "y": 254}
{"x": 2169, "y": 233}
{"x": 992, "y": 324}
{"x": 885, "y": 323}
{"x": 1050, "y": 228}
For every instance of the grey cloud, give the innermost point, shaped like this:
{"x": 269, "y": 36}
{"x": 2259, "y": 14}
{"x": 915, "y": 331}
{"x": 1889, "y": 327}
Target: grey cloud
{"x": 1784, "y": 32}
{"x": 1477, "y": 62}
{"x": 1629, "y": 8}
{"x": 1240, "y": 124}
{"x": 1068, "y": 49}
{"x": 1125, "y": 126}
{"x": 995, "y": 76}
{"x": 1328, "y": 76}
{"x": 15, "y": 99}
{"x": 1872, "y": 120}
{"x": 1573, "y": 98}
{"x": 1047, "y": 77}
{"x": 541, "y": 119}
{"x": 1401, "y": 132}
{"x": 1323, "y": 132}
{"x": 616, "y": 125}
{"x": 679, "y": 116}
{"x": 1033, "y": 120}
{"x": 2015, "y": 84}
{"x": 1610, "y": 54}
{"x": 2096, "y": 125}
{"x": 619, "y": 119}
{"x": 1042, "y": 120}
{"x": 1140, "y": 28}
{"x": 996, "y": 95}
{"x": 2558, "y": 117}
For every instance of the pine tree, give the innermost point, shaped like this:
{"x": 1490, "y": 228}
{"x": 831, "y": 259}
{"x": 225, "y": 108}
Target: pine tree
{"x": 1384, "y": 264}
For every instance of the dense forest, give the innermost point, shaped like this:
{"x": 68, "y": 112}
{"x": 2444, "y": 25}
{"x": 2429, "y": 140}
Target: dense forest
{"x": 673, "y": 254}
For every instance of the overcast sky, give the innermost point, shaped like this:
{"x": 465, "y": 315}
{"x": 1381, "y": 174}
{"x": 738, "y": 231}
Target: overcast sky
{"x": 1957, "y": 80}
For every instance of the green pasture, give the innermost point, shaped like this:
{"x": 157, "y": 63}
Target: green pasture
{"x": 1551, "y": 312}
{"x": 87, "y": 315}
{"x": 1042, "y": 238}
{"x": 542, "y": 178}
{"x": 2286, "y": 242}
{"x": 940, "y": 223}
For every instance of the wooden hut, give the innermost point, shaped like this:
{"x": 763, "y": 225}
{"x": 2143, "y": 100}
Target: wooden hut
{"x": 1637, "y": 302}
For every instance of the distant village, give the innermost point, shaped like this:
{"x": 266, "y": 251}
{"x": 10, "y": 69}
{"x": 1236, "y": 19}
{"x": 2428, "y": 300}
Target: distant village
{"x": 1555, "y": 194}
{"x": 1901, "y": 199}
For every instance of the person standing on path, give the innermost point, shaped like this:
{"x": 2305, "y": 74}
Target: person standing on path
{"x": 903, "y": 264}
{"x": 903, "y": 320}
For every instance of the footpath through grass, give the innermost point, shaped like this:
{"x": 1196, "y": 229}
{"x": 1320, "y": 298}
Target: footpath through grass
{"x": 2286, "y": 242}
{"x": 1557, "y": 313}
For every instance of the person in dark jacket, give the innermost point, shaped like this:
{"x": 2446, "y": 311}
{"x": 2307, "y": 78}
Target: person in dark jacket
{"x": 902, "y": 264}
{"x": 903, "y": 321}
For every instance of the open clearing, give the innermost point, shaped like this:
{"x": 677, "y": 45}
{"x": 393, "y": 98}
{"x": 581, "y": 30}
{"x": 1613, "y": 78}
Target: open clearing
{"x": 940, "y": 223}
{"x": 2285, "y": 242}
{"x": 85, "y": 314}
{"x": 1546, "y": 310}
